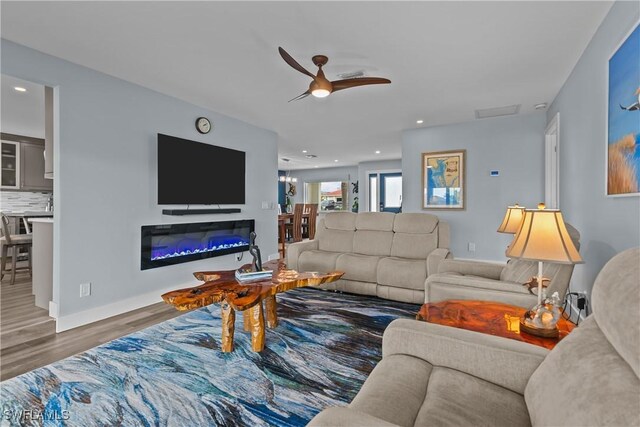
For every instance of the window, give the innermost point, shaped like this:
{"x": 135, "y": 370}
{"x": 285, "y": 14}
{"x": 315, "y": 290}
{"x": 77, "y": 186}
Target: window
{"x": 329, "y": 195}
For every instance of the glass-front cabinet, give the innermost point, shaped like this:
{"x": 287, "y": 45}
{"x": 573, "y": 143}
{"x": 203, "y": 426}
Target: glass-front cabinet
{"x": 9, "y": 177}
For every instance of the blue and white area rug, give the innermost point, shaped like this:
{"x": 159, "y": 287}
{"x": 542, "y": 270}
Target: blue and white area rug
{"x": 174, "y": 374}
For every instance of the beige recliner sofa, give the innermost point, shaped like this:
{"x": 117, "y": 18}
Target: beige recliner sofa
{"x": 457, "y": 279}
{"x": 383, "y": 254}
{"x": 438, "y": 375}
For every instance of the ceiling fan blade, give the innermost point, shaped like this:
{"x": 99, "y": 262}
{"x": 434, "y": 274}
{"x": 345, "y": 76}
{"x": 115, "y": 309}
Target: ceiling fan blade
{"x": 292, "y": 62}
{"x": 302, "y": 95}
{"x": 359, "y": 81}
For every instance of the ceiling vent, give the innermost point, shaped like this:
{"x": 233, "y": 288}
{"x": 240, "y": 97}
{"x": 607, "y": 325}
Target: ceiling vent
{"x": 311, "y": 156}
{"x": 284, "y": 159}
{"x": 352, "y": 75}
{"x": 509, "y": 110}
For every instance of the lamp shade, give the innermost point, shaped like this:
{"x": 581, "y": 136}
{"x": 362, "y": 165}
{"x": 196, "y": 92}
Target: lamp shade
{"x": 543, "y": 236}
{"x": 512, "y": 219}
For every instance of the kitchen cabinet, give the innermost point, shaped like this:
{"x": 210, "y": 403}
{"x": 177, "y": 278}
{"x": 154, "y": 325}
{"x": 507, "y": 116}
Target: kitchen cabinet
{"x": 32, "y": 168}
{"x": 10, "y": 174}
{"x": 23, "y": 164}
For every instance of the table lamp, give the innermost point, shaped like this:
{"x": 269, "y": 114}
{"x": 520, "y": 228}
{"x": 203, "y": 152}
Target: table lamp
{"x": 512, "y": 219}
{"x": 542, "y": 237}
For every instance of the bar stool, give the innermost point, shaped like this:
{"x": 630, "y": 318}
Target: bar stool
{"x": 15, "y": 242}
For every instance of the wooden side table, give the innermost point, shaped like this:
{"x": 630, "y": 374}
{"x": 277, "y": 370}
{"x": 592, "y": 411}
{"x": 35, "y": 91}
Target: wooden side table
{"x": 492, "y": 318}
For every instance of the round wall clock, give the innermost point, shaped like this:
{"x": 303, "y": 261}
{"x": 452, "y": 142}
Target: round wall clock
{"x": 203, "y": 125}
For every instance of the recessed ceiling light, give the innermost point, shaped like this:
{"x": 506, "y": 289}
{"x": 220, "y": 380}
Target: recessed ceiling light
{"x": 336, "y": 160}
{"x": 304, "y": 151}
{"x": 377, "y": 151}
{"x": 420, "y": 121}
{"x": 19, "y": 89}
{"x": 540, "y": 106}
{"x": 315, "y": 166}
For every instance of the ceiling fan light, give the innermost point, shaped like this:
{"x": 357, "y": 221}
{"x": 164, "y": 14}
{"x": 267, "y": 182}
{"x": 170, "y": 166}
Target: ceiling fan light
{"x": 320, "y": 93}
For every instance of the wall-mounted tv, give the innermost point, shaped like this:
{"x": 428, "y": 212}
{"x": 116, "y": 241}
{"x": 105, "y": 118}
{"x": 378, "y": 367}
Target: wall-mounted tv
{"x": 191, "y": 172}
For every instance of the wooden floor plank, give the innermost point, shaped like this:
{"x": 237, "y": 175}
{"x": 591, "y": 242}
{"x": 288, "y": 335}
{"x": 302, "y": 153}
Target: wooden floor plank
{"x": 27, "y": 333}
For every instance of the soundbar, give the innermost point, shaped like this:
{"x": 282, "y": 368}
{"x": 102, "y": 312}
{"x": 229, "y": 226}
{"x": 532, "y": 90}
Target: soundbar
{"x": 180, "y": 212}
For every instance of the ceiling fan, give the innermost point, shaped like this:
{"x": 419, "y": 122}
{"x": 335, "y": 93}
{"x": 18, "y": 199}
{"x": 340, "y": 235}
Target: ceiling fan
{"x": 320, "y": 87}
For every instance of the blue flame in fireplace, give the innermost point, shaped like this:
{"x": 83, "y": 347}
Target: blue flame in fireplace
{"x": 172, "y": 246}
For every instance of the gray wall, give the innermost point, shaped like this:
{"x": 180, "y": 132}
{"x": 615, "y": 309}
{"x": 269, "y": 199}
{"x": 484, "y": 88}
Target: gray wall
{"x": 105, "y": 186}
{"x": 607, "y": 225}
{"x": 344, "y": 173}
{"x": 513, "y": 145}
{"x": 365, "y": 167}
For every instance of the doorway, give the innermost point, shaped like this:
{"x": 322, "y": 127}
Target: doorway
{"x": 384, "y": 191}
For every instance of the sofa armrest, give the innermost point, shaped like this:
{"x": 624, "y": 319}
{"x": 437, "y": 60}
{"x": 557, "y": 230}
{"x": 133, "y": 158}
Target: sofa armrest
{"x": 435, "y": 258}
{"x": 295, "y": 249}
{"x": 346, "y": 417}
{"x": 502, "y": 361}
{"x": 473, "y": 268}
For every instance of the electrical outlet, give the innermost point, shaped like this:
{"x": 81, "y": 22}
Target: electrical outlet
{"x": 85, "y": 289}
{"x": 472, "y": 247}
{"x": 265, "y": 205}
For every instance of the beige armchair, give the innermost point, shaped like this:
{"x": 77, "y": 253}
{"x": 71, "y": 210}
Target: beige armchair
{"x": 437, "y": 375}
{"x": 497, "y": 282}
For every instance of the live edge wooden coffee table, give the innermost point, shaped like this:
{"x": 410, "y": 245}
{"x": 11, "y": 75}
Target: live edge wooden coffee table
{"x": 492, "y": 318}
{"x": 222, "y": 287}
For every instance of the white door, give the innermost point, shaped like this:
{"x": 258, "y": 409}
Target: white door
{"x": 552, "y": 163}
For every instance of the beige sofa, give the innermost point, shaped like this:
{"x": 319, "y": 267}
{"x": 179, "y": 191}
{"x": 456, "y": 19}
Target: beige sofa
{"x": 383, "y": 254}
{"x": 437, "y": 375}
{"x": 457, "y": 279}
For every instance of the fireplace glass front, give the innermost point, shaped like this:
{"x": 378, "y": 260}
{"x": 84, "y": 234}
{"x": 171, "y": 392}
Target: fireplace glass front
{"x": 169, "y": 244}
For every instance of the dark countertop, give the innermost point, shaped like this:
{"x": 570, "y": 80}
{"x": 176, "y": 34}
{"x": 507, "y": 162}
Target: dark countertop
{"x": 30, "y": 214}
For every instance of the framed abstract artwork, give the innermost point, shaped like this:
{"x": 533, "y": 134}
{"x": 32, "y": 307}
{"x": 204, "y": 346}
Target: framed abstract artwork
{"x": 443, "y": 180}
{"x": 623, "y": 118}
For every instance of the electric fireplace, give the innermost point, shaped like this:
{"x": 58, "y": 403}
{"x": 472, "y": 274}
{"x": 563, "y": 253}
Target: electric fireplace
{"x": 169, "y": 244}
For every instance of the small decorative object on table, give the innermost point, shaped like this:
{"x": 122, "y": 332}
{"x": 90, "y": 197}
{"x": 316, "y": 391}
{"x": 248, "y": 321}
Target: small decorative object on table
{"x": 254, "y": 250}
{"x": 542, "y": 320}
{"x": 543, "y": 236}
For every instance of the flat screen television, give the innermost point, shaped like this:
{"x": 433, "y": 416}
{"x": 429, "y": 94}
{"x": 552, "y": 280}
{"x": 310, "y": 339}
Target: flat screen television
{"x": 191, "y": 172}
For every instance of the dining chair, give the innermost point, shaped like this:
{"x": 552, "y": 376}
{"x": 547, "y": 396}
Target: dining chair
{"x": 298, "y": 212}
{"x": 309, "y": 226}
{"x": 14, "y": 242}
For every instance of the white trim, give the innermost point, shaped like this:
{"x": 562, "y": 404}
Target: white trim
{"x": 606, "y": 125}
{"x": 552, "y": 163}
{"x": 53, "y": 309}
{"x": 86, "y": 317}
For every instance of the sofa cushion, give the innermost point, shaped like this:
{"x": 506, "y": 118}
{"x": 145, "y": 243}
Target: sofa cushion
{"x": 415, "y": 235}
{"x": 520, "y": 270}
{"x": 402, "y": 273}
{"x": 345, "y": 221}
{"x": 376, "y": 243}
{"x": 609, "y": 390}
{"x": 377, "y": 221}
{"x": 362, "y": 268}
{"x": 395, "y": 390}
{"x": 455, "y": 398}
{"x": 321, "y": 261}
{"x": 415, "y": 223}
{"x": 412, "y": 296}
{"x": 452, "y": 285}
{"x": 335, "y": 240}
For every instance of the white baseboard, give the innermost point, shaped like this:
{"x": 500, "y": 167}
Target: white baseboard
{"x": 53, "y": 309}
{"x": 70, "y": 321}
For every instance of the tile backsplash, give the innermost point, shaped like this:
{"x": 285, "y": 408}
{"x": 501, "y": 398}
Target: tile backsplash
{"x": 20, "y": 201}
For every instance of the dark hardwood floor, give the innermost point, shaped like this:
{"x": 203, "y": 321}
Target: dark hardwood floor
{"x": 27, "y": 333}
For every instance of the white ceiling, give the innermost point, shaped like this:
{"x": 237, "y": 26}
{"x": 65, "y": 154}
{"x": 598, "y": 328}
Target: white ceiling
{"x": 21, "y": 113}
{"x": 445, "y": 60}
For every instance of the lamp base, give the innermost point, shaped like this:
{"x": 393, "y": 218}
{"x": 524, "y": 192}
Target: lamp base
{"x": 539, "y": 332}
